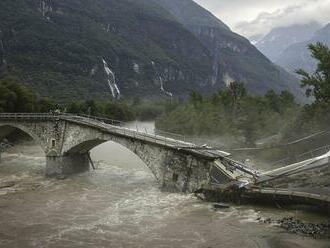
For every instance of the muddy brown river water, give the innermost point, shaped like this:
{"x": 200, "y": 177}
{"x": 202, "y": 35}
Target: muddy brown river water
{"x": 120, "y": 205}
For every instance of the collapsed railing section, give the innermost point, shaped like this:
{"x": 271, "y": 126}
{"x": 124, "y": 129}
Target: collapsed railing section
{"x": 302, "y": 157}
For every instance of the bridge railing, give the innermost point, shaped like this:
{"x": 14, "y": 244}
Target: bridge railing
{"x": 122, "y": 127}
{"x": 188, "y": 140}
{"x": 182, "y": 140}
{"x": 159, "y": 136}
{"x": 27, "y": 116}
{"x": 105, "y": 120}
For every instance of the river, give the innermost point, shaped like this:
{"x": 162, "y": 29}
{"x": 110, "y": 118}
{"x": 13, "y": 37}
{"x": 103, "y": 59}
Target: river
{"x": 120, "y": 205}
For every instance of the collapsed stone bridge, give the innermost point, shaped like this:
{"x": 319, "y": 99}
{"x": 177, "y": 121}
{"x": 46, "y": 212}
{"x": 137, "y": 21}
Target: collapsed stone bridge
{"x": 67, "y": 140}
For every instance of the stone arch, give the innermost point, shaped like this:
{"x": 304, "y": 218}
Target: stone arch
{"x": 153, "y": 157}
{"x": 27, "y": 131}
{"x": 174, "y": 169}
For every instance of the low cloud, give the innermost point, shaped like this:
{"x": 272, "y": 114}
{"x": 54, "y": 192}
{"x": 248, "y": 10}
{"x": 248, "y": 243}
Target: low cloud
{"x": 296, "y": 14}
{"x": 254, "y": 18}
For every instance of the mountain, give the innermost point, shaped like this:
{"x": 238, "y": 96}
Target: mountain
{"x": 85, "y": 49}
{"x": 297, "y": 56}
{"x": 278, "y": 39}
{"x": 233, "y": 56}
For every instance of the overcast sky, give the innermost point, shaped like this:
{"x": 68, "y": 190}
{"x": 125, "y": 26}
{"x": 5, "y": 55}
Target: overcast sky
{"x": 254, "y": 17}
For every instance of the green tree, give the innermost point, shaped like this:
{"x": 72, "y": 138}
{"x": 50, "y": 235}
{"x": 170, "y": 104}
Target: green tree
{"x": 196, "y": 98}
{"x": 315, "y": 116}
{"x": 318, "y": 83}
{"x": 273, "y": 100}
{"x": 237, "y": 91}
{"x": 287, "y": 99}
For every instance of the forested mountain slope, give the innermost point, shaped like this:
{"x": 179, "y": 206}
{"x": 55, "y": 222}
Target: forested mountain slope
{"x": 126, "y": 48}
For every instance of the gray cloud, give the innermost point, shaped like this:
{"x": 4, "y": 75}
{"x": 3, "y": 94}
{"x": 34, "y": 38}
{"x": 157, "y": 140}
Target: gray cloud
{"x": 257, "y": 17}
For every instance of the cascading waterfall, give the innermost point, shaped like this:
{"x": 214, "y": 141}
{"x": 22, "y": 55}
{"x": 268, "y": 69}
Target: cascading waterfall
{"x": 45, "y": 6}
{"x": 159, "y": 78}
{"x": 2, "y": 51}
{"x": 111, "y": 79}
{"x": 215, "y": 66}
{"x": 162, "y": 87}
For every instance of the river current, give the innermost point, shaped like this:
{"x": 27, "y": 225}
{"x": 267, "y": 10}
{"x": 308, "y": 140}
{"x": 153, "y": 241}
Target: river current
{"x": 120, "y": 205}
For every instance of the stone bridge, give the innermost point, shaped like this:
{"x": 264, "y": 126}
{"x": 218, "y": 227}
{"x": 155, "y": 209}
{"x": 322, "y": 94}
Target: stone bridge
{"x": 67, "y": 140}
{"x": 177, "y": 165}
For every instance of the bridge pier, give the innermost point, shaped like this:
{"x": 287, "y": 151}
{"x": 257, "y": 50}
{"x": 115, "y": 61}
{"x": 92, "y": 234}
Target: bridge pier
{"x": 67, "y": 164}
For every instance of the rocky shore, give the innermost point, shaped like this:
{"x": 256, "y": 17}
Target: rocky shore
{"x": 4, "y": 145}
{"x": 315, "y": 230}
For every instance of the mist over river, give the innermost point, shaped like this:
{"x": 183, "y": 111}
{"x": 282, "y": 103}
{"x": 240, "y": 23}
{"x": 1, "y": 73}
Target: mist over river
{"x": 120, "y": 205}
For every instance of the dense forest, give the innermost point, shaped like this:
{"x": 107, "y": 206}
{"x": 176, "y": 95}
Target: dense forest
{"x": 14, "y": 97}
{"x": 232, "y": 112}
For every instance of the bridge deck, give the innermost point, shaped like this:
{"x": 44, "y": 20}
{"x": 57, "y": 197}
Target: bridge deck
{"x": 116, "y": 127}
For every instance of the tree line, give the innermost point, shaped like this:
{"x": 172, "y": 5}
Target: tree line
{"x": 17, "y": 98}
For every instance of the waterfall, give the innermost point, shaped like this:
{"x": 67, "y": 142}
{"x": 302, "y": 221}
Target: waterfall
{"x": 2, "y": 51}
{"x": 111, "y": 79}
{"x": 159, "y": 78}
{"x": 45, "y": 7}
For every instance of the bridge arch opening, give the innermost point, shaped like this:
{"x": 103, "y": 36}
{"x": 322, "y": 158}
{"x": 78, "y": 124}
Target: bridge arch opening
{"x": 18, "y": 134}
{"x": 22, "y": 155}
{"x": 116, "y": 154}
{"x": 112, "y": 153}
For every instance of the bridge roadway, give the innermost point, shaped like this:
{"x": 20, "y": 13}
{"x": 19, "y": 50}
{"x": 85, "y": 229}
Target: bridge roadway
{"x": 144, "y": 135}
{"x": 117, "y": 127}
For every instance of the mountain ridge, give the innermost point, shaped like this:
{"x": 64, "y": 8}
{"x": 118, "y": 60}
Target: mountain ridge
{"x": 280, "y": 38}
{"x": 58, "y": 48}
{"x": 234, "y": 57}
{"x": 297, "y": 56}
